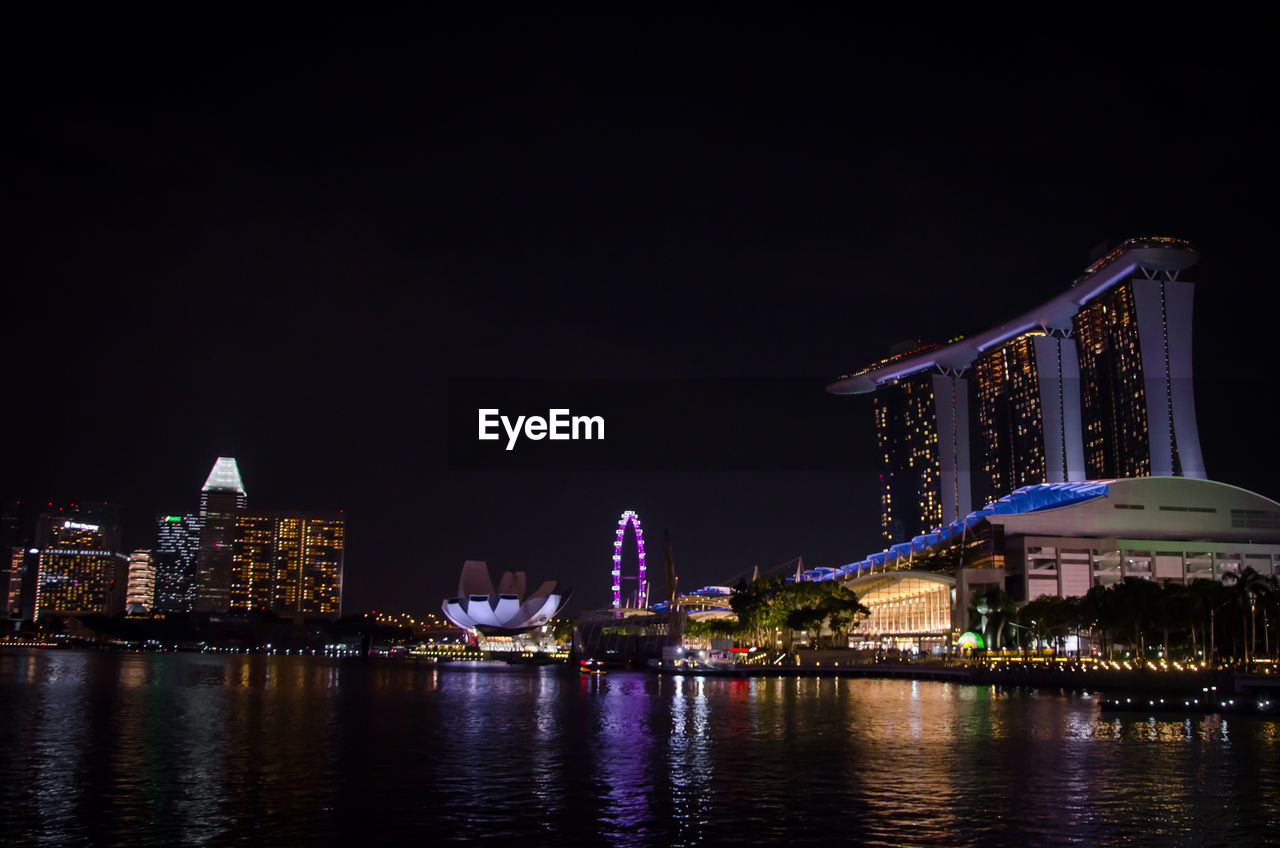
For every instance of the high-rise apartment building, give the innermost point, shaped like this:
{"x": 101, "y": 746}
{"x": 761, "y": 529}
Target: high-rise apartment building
{"x": 140, "y": 591}
{"x": 222, "y": 498}
{"x": 1095, "y": 383}
{"x": 253, "y": 568}
{"x": 289, "y": 563}
{"x": 80, "y": 567}
{"x": 309, "y": 555}
{"x": 176, "y": 552}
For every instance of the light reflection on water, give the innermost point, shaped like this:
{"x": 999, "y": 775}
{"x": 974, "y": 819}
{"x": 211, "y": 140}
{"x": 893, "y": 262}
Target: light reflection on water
{"x": 164, "y": 748}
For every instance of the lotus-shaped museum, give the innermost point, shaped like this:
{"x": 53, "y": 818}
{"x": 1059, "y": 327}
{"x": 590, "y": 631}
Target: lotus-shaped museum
{"x": 479, "y": 607}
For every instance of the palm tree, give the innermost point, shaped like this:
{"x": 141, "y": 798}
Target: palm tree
{"x": 1207, "y": 597}
{"x": 1248, "y": 587}
{"x": 1094, "y": 610}
{"x": 1271, "y": 602}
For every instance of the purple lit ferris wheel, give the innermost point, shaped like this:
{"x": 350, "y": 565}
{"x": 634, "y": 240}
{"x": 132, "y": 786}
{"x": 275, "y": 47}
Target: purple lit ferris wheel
{"x": 642, "y": 589}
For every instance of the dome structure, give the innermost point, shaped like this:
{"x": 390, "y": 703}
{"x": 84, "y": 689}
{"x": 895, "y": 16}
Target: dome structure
{"x": 508, "y": 610}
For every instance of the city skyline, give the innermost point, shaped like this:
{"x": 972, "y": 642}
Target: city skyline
{"x": 72, "y": 559}
{"x": 285, "y": 251}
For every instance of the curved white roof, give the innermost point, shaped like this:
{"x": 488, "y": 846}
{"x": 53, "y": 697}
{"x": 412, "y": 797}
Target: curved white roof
{"x": 506, "y": 610}
{"x": 1188, "y": 508}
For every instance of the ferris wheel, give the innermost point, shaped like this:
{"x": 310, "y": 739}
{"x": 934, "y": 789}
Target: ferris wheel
{"x": 642, "y": 585}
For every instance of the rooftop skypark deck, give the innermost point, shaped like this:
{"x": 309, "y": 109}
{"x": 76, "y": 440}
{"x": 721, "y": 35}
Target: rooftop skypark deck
{"x": 1150, "y": 255}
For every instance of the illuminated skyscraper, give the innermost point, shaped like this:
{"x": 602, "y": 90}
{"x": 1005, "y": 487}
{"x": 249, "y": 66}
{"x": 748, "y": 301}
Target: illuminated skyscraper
{"x": 252, "y": 583}
{"x": 1029, "y": 412}
{"x": 16, "y": 567}
{"x": 14, "y": 547}
{"x": 282, "y": 561}
{"x": 308, "y": 569}
{"x": 221, "y": 499}
{"x": 289, "y": 563}
{"x": 922, "y": 433}
{"x": 80, "y": 568}
{"x": 1094, "y": 383}
{"x": 176, "y": 552}
{"x": 1135, "y": 379}
{"x": 140, "y": 592}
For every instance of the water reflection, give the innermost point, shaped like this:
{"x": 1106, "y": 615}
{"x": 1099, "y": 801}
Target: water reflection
{"x": 166, "y": 748}
{"x": 625, "y": 762}
{"x": 689, "y": 760}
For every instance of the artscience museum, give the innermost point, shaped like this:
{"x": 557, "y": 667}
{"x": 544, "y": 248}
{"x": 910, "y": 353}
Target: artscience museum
{"x": 506, "y": 611}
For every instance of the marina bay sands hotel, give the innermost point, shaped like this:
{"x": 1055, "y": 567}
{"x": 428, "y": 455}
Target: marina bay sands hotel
{"x": 1087, "y": 466}
{"x": 1094, "y": 384}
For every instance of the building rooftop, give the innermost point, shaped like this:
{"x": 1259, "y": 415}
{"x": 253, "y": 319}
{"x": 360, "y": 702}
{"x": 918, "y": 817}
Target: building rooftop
{"x": 225, "y": 477}
{"x": 1158, "y": 253}
{"x": 1137, "y": 507}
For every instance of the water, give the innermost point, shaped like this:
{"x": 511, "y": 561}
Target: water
{"x": 115, "y": 749}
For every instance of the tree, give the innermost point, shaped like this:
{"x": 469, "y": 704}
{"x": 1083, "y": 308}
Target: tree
{"x": 773, "y": 603}
{"x": 1248, "y": 587}
{"x": 1208, "y": 597}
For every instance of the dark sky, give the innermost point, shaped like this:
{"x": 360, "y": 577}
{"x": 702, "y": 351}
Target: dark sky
{"x": 292, "y": 240}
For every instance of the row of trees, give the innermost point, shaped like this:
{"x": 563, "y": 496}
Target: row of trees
{"x": 1229, "y": 618}
{"x": 770, "y": 605}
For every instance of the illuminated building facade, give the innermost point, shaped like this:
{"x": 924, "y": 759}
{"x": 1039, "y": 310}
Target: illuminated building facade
{"x": 285, "y": 562}
{"x": 922, "y": 434}
{"x": 176, "y": 552}
{"x": 140, "y": 591}
{"x": 289, "y": 563}
{"x": 13, "y": 571}
{"x": 222, "y": 498}
{"x": 1135, "y": 380}
{"x": 13, "y": 592}
{"x": 307, "y": 574}
{"x": 1028, "y": 413}
{"x": 253, "y": 556}
{"x": 79, "y": 567}
{"x": 1062, "y": 539}
{"x": 1095, "y": 383}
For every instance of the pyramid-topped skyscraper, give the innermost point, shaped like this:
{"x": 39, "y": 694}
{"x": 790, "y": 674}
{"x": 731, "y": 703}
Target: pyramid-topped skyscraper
{"x": 221, "y": 498}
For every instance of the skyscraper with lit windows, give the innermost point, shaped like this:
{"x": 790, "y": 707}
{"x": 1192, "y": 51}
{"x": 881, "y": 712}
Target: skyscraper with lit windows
{"x": 282, "y": 561}
{"x": 289, "y": 562}
{"x": 922, "y": 434}
{"x": 16, "y": 568}
{"x": 80, "y": 567}
{"x": 310, "y": 549}
{"x": 222, "y": 499}
{"x": 1028, "y": 412}
{"x": 254, "y": 551}
{"x": 140, "y": 591}
{"x": 1095, "y": 383}
{"x": 176, "y": 552}
{"x": 1135, "y": 379}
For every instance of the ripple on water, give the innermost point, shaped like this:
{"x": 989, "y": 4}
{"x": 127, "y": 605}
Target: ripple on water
{"x": 122, "y": 748}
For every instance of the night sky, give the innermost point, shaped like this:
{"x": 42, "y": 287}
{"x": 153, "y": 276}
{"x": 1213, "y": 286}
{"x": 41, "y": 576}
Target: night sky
{"x": 309, "y": 242}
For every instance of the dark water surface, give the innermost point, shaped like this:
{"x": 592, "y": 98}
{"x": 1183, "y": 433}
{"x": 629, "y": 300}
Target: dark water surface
{"x": 126, "y": 749}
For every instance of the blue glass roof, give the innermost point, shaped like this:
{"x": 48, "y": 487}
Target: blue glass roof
{"x": 1034, "y": 498}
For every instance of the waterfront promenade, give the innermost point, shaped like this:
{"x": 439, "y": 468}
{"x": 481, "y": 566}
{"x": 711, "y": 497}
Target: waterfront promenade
{"x": 1085, "y": 675}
